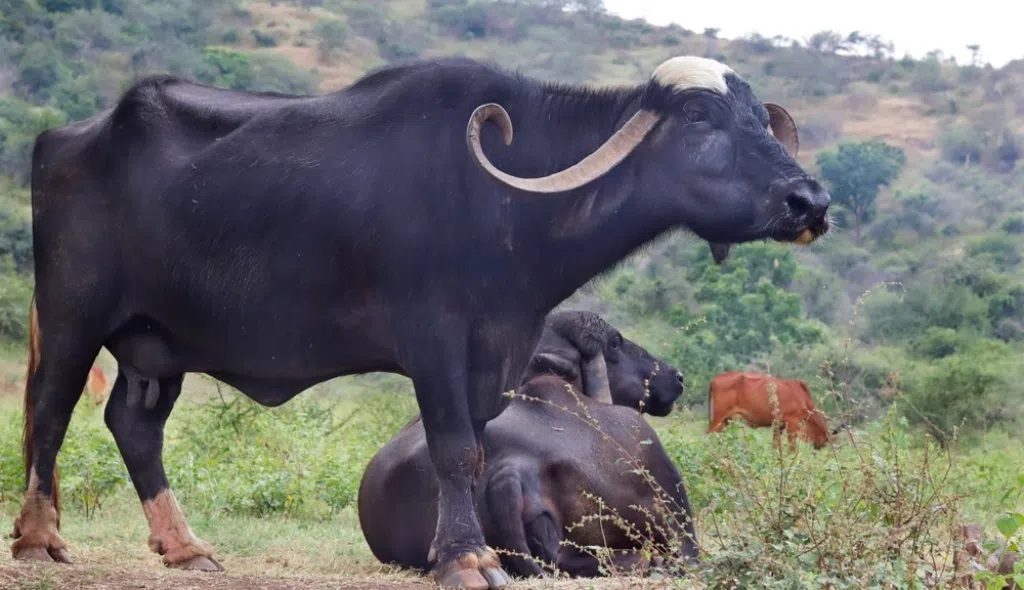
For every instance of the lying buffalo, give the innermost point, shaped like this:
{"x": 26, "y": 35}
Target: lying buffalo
{"x": 542, "y": 460}
{"x": 275, "y": 242}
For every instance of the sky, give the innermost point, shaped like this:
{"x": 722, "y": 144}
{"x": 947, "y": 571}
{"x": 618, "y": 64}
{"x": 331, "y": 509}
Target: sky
{"x": 914, "y": 26}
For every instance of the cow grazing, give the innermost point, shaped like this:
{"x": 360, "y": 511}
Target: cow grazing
{"x": 763, "y": 400}
{"x": 278, "y": 241}
{"x": 541, "y": 459}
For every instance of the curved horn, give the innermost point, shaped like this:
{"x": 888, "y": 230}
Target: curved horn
{"x": 595, "y": 379}
{"x": 783, "y": 128}
{"x": 586, "y": 170}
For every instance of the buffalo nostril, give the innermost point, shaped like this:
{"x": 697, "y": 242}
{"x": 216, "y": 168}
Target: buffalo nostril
{"x": 807, "y": 199}
{"x": 679, "y": 378}
{"x": 799, "y": 203}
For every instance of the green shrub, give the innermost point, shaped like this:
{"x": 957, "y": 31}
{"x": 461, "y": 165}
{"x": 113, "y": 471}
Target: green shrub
{"x": 962, "y": 144}
{"x": 96, "y": 471}
{"x": 743, "y": 310}
{"x": 20, "y": 123}
{"x": 896, "y": 317}
{"x": 12, "y": 474}
{"x": 331, "y": 35}
{"x": 15, "y": 293}
{"x": 15, "y": 237}
{"x": 1007, "y": 151}
{"x": 936, "y": 343}
{"x": 228, "y": 68}
{"x": 92, "y": 467}
{"x": 263, "y": 39}
{"x": 928, "y": 76}
{"x": 877, "y": 510}
{"x": 1014, "y": 224}
{"x": 958, "y": 392}
{"x": 78, "y": 96}
{"x": 276, "y": 73}
{"x": 234, "y": 456}
{"x": 1001, "y": 249}
{"x": 465, "y": 21}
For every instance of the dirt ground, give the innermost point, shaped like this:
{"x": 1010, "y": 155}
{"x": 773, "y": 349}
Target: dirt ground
{"x": 19, "y": 576}
{"x": 25, "y": 576}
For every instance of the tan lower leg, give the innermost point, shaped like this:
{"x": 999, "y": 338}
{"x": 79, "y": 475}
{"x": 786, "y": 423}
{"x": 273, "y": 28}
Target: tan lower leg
{"x": 36, "y": 526}
{"x": 169, "y": 533}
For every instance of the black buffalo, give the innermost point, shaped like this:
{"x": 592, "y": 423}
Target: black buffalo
{"x": 547, "y": 451}
{"x": 274, "y": 242}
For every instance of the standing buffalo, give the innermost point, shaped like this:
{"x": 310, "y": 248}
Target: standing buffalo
{"x": 542, "y": 459}
{"x": 763, "y": 400}
{"x": 275, "y": 241}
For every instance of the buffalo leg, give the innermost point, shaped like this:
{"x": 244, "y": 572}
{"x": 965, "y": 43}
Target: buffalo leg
{"x": 682, "y": 541}
{"x": 509, "y": 511}
{"x": 139, "y": 434}
{"x": 52, "y": 390}
{"x": 578, "y": 564}
{"x": 543, "y": 537}
{"x": 460, "y": 556}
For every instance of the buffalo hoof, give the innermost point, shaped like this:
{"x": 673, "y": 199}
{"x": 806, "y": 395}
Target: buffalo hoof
{"x": 37, "y": 553}
{"x": 472, "y": 571}
{"x": 199, "y": 563}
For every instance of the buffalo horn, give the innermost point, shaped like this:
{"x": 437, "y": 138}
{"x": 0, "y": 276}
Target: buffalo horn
{"x": 586, "y": 170}
{"x": 595, "y": 379}
{"x": 783, "y": 128}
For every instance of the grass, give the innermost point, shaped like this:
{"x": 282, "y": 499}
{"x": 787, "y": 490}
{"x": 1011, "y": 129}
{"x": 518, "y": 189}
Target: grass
{"x": 273, "y": 490}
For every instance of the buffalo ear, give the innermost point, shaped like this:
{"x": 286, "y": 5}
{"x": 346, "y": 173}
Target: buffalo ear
{"x": 719, "y": 251}
{"x": 546, "y": 362}
{"x": 783, "y": 127}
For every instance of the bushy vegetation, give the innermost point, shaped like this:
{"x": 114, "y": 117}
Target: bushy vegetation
{"x": 880, "y": 507}
{"x": 305, "y": 460}
{"x": 229, "y": 455}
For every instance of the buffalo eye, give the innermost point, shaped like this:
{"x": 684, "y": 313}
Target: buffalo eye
{"x": 694, "y": 113}
{"x": 616, "y": 342}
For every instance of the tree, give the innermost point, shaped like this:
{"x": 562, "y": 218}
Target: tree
{"x": 331, "y": 36}
{"x": 227, "y": 68}
{"x": 858, "y": 43}
{"x": 960, "y": 392}
{"x": 975, "y": 50}
{"x": 828, "y": 42}
{"x": 741, "y": 311}
{"x": 856, "y": 171}
{"x": 963, "y": 144}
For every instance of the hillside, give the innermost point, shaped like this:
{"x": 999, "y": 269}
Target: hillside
{"x": 923, "y": 300}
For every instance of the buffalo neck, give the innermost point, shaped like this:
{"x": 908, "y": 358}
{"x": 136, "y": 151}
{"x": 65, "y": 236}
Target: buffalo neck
{"x": 575, "y": 236}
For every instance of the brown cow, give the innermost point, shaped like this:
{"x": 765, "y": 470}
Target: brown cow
{"x": 96, "y": 385}
{"x": 750, "y": 396}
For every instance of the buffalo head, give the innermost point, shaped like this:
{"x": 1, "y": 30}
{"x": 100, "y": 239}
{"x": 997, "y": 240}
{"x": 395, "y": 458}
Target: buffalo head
{"x": 707, "y": 154}
{"x": 580, "y": 345}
